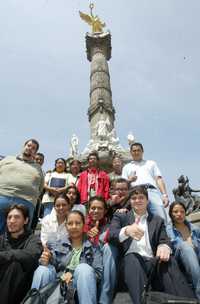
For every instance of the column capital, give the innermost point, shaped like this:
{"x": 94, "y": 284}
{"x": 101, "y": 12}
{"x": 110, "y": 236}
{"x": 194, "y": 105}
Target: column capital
{"x": 98, "y": 42}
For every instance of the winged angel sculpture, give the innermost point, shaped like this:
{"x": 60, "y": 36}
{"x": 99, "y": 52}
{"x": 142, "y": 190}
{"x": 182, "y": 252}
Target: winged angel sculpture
{"x": 93, "y": 21}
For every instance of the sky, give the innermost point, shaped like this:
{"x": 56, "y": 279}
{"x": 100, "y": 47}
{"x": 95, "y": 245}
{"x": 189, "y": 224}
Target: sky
{"x": 154, "y": 69}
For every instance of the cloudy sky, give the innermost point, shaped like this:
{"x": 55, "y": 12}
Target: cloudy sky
{"x": 155, "y": 77}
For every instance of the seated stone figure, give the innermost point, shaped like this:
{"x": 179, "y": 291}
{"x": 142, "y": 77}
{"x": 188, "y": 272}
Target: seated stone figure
{"x": 184, "y": 194}
{"x": 76, "y": 261}
{"x": 186, "y": 244}
{"x": 19, "y": 254}
{"x": 142, "y": 237}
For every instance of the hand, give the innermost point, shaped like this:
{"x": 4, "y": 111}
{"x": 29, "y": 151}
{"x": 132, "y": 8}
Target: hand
{"x": 163, "y": 253}
{"x": 94, "y": 231}
{"x": 135, "y": 232}
{"x": 122, "y": 210}
{"x": 59, "y": 190}
{"x": 53, "y": 191}
{"x": 116, "y": 199}
{"x": 45, "y": 257}
{"x": 132, "y": 178}
{"x": 67, "y": 277}
{"x": 165, "y": 201}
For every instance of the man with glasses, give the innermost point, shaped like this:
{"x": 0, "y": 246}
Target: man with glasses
{"x": 146, "y": 173}
{"x": 119, "y": 194}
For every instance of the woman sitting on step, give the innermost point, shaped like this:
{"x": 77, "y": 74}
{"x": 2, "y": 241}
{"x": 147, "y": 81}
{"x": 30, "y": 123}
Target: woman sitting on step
{"x": 76, "y": 261}
{"x": 186, "y": 244}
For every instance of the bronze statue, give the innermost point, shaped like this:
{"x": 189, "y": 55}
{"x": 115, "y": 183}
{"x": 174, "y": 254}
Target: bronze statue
{"x": 94, "y": 21}
{"x": 183, "y": 193}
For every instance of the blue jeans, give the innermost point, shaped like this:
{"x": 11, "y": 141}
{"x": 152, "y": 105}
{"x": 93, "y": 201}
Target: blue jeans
{"x": 6, "y": 202}
{"x": 84, "y": 281}
{"x": 188, "y": 258}
{"x": 157, "y": 208}
{"x": 43, "y": 275}
{"x": 108, "y": 282}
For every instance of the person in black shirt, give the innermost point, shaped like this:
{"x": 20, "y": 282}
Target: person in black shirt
{"x": 20, "y": 251}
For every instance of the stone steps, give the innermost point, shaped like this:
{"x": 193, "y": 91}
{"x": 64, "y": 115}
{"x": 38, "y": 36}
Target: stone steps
{"x": 122, "y": 298}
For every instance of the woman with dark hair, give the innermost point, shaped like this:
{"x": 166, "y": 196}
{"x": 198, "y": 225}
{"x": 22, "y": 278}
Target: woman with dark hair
{"x": 97, "y": 229}
{"x": 186, "y": 244}
{"x": 77, "y": 261}
{"x": 75, "y": 169}
{"x": 54, "y": 184}
{"x": 53, "y": 225}
{"x": 74, "y": 197}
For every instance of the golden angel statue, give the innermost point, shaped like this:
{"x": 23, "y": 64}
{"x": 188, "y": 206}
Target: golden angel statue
{"x": 94, "y": 21}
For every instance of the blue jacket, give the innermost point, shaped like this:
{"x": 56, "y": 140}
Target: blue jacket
{"x": 176, "y": 237}
{"x": 90, "y": 255}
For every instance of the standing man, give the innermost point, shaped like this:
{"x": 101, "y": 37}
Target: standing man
{"x": 146, "y": 173}
{"x": 21, "y": 181}
{"x": 20, "y": 251}
{"x": 143, "y": 237}
{"x": 93, "y": 181}
{"x": 39, "y": 158}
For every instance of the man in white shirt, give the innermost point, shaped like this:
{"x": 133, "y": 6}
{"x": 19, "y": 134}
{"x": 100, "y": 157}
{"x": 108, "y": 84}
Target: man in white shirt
{"x": 142, "y": 237}
{"x": 146, "y": 173}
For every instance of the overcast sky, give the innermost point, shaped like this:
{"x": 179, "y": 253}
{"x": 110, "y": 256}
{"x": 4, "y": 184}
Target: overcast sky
{"x": 155, "y": 77}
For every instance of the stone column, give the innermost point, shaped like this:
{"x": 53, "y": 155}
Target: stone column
{"x": 101, "y": 108}
{"x": 101, "y": 113}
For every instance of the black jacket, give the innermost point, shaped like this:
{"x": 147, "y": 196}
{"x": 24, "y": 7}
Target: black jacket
{"x": 26, "y": 250}
{"x": 156, "y": 229}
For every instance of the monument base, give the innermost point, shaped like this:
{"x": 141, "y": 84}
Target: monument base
{"x": 194, "y": 218}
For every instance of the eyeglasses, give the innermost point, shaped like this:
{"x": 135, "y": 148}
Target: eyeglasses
{"x": 120, "y": 189}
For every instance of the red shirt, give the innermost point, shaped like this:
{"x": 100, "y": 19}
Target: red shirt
{"x": 98, "y": 181}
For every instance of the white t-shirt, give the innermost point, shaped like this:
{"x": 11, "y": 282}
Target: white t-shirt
{"x": 145, "y": 170}
{"x": 48, "y": 177}
{"x": 71, "y": 179}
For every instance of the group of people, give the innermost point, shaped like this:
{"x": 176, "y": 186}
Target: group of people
{"x": 99, "y": 231}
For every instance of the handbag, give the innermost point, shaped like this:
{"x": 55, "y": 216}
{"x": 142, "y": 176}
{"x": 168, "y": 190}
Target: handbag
{"x": 63, "y": 294}
{"x": 56, "y": 292}
{"x": 40, "y": 296}
{"x": 158, "y": 297}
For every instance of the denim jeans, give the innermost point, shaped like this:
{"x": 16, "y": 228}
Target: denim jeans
{"x": 84, "y": 281}
{"x": 6, "y": 202}
{"x": 43, "y": 275}
{"x": 108, "y": 282}
{"x": 188, "y": 258}
{"x": 157, "y": 208}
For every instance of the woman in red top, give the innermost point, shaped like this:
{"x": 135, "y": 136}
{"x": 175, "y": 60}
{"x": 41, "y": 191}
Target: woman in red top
{"x": 97, "y": 229}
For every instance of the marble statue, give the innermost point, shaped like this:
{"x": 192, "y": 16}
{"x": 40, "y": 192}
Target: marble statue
{"x": 130, "y": 138}
{"x": 102, "y": 128}
{"x": 74, "y": 146}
